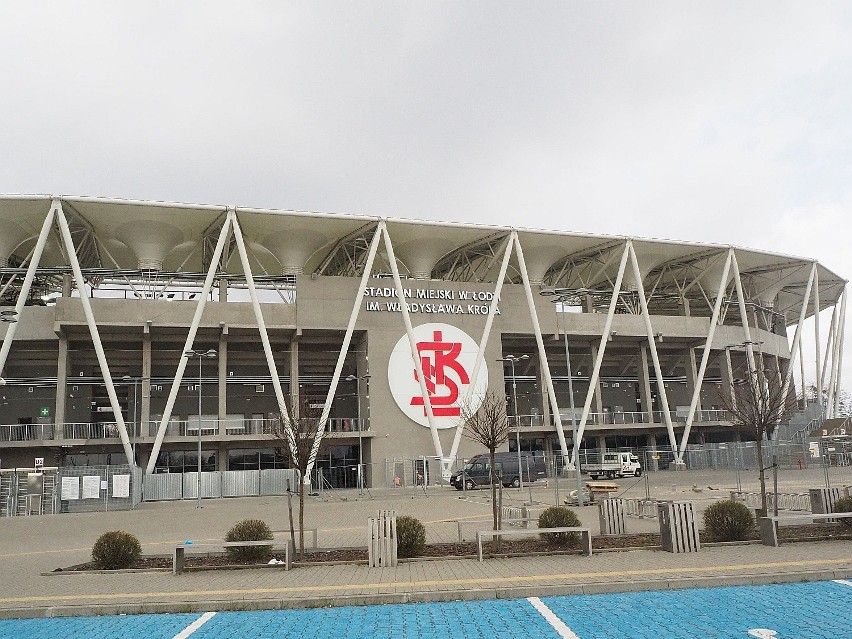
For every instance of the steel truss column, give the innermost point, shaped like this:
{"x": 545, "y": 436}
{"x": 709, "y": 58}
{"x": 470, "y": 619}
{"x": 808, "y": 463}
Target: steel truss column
{"x": 798, "y": 334}
{"x": 705, "y": 356}
{"x": 480, "y": 355}
{"x": 652, "y": 343}
{"x": 190, "y": 338}
{"x": 93, "y": 330}
{"x": 264, "y": 335}
{"x": 545, "y": 367}
{"x": 344, "y": 349}
{"x": 596, "y": 369}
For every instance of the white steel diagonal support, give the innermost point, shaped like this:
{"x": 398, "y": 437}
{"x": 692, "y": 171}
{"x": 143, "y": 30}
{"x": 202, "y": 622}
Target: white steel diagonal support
{"x": 480, "y": 356}
{"x": 415, "y": 356}
{"x": 542, "y": 354}
{"x": 190, "y": 338}
{"x": 705, "y": 356}
{"x": 652, "y": 346}
{"x": 344, "y": 348}
{"x": 264, "y": 335}
{"x": 27, "y": 283}
{"x": 93, "y": 331}
{"x": 841, "y": 331}
{"x": 816, "y": 337}
{"x": 828, "y": 361}
{"x": 596, "y": 369}
{"x": 797, "y": 336}
{"x": 749, "y": 346}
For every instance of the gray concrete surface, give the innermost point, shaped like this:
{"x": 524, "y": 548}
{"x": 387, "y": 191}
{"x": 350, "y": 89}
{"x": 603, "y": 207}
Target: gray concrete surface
{"x": 32, "y": 547}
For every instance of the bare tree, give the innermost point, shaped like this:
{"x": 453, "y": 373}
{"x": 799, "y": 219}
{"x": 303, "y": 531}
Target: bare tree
{"x": 297, "y": 439}
{"x": 757, "y": 405}
{"x": 489, "y": 426}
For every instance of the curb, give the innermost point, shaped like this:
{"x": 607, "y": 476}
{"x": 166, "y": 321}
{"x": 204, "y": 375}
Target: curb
{"x": 476, "y": 594}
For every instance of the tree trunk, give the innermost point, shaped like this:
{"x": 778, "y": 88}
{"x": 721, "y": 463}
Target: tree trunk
{"x": 301, "y": 516}
{"x": 494, "y": 507}
{"x": 290, "y": 512}
{"x": 762, "y": 475}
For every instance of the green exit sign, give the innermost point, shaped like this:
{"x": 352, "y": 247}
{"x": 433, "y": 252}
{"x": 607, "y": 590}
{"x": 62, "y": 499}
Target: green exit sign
{"x": 44, "y": 411}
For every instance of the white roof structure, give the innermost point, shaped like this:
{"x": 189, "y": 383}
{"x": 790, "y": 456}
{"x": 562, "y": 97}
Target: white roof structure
{"x": 144, "y": 237}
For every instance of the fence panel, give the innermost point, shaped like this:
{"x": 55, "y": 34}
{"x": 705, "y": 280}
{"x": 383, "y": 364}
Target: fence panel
{"x": 211, "y": 485}
{"x": 83, "y": 489}
{"x": 240, "y": 483}
{"x": 163, "y": 487}
{"x": 276, "y": 481}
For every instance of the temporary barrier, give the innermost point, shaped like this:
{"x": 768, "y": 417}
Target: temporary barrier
{"x": 240, "y": 483}
{"x": 96, "y": 488}
{"x": 786, "y": 501}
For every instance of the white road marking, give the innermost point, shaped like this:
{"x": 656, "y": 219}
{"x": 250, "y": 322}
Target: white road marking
{"x": 195, "y": 625}
{"x": 558, "y": 625}
{"x": 843, "y": 581}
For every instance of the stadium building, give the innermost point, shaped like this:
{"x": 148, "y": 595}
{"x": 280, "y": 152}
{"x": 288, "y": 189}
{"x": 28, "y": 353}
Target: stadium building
{"x": 133, "y": 329}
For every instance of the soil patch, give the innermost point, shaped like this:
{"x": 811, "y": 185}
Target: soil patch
{"x": 508, "y": 547}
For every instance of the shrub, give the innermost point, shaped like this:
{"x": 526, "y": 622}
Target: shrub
{"x": 249, "y": 530}
{"x": 410, "y": 536}
{"x": 843, "y": 505}
{"x": 115, "y": 550}
{"x": 728, "y": 520}
{"x": 559, "y": 517}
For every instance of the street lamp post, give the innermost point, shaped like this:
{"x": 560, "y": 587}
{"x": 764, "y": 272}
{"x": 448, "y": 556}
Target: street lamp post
{"x": 576, "y": 444}
{"x": 357, "y": 381}
{"x": 512, "y": 359}
{"x": 559, "y": 296}
{"x": 208, "y": 354}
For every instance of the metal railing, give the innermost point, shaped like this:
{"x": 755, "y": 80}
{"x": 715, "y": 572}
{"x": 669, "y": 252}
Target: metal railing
{"x": 617, "y": 418}
{"x": 175, "y": 428}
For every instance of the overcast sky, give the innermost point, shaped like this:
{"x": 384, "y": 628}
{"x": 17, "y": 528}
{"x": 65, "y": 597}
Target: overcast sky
{"x": 715, "y": 121}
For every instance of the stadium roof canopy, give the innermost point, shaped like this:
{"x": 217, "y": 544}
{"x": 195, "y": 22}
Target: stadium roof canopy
{"x": 135, "y": 237}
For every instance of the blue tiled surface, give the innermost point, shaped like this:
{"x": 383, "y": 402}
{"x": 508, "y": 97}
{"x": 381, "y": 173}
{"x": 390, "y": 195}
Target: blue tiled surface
{"x": 820, "y": 610}
{"x": 793, "y": 611}
{"x": 125, "y": 626}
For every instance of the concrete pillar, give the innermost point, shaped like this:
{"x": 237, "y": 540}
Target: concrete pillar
{"x": 62, "y": 362}
{"x": 601, "y": 443}
{"x": 223, "y": 290}
{"x": 145, "y": 413}
{"x": 692, "y": 378}
{"x": 67, "y": 285}
{"x": 544, "y": 399}
{"x": 222, "y": 456}
{"x": 222, "y": 386}
{"x": 727, "y": 373}
{"x": 644, "y": 380}
{"x": 294, "y": 375}
{"x": 652, "y": 461}
{"x": 686, "y": 309}
{"x": 598, "y": 405}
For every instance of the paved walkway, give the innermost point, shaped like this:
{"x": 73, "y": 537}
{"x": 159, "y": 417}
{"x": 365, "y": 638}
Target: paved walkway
{"x": 33, "y": 546}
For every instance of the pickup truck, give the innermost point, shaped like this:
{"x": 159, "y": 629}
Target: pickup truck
{"x": 615, "y": 465}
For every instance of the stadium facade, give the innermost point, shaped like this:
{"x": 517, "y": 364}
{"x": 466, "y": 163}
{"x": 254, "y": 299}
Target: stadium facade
{"x": 103, "y": 299}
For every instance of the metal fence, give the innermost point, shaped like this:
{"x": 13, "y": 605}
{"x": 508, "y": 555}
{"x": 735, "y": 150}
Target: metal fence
{"x": 81, "y": 489}
{"x": 226, "y": 483}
